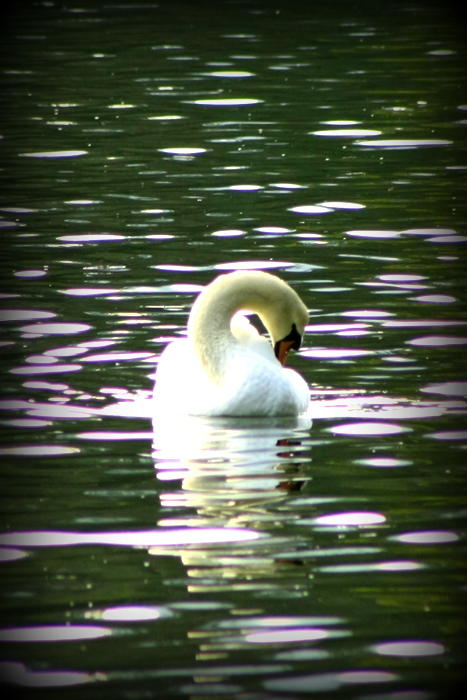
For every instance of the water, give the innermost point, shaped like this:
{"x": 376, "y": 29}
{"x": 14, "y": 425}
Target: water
{"x": 146, "y": 149}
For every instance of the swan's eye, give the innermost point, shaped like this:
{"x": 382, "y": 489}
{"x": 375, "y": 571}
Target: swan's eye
{"x": 294, "y": 338}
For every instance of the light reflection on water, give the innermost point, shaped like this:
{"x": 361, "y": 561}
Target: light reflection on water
{"x": 227, "y": 558}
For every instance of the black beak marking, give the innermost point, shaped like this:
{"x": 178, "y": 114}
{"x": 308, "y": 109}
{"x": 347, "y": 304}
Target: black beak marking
{"x": 293, "y": 338}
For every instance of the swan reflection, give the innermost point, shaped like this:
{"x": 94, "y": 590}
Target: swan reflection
{"x": 227, "y": 465}
{"x": 229, "y": 473}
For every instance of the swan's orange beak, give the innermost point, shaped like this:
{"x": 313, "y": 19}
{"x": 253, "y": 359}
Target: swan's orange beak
{"x": 282, "y": 349}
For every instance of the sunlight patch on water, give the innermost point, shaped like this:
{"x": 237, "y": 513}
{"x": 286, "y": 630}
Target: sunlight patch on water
{"x": 114, "y": 435}
{"x": 367, "y": 313}
{"x": 286, "y": 636}
{"x": 428, "y": 537}
{"x": 29, "y": 370}
{"x": 448, "y": 435}
{"x": 18, "y": 674}
{"x": 435, "y": 299}
{"x": 253, "y": 265}
{"x": 428, "y": 341}
{"x": 334, "y": 353}
{"x": 324, "y": 682}
{"x": 430, "y": 231}
{"x": 287, "y": 185}
{"x": 30, "y": 274}
{"x": 310, "y": 209}
{"x": 349, "y": 519}
{"x": 446, "y": 388}
{"x": 273, "y": 229}
{"x": 409, "y": 648}
{"x": 370, "y": 567}
{"x": 53, "y": 633}
{"x": 383, "y": 462}
{"x": 88, "y": 291}
{"x": 402, "y": 143}
{"x": 54, "y": 154}
{"x": 226, "y": 101}
{"x": 91, "y": 237}
{"x": 245, "y": 188}
{"x": 12, "y": 554}
{"x": 25, "y": 314}
{"x": 372, "y": 233}
{"x": 342, "y": 205}
{"x": 38, "y": 450}
{"x": 228, "y": 233}
{"x": 117, "y": 356}
{"x": 183, "y": 151}
{"x": 345, "y": 133}
{"x": 133, "y": 538}
{"x": 130, "y": 613}
{"x": 58, "y": 328}
{"x": 365, "y": 429}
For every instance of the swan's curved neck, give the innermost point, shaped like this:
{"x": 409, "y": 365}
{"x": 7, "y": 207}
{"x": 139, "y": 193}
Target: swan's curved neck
{"x": 272, "y": 299}
{"x": 209, "y": 321}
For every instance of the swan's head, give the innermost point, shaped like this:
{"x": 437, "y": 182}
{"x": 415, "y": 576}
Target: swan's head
{"x": 279, "y": 307}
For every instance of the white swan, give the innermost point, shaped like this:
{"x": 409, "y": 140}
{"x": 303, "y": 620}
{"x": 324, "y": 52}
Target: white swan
{"x": 224, "y": 367}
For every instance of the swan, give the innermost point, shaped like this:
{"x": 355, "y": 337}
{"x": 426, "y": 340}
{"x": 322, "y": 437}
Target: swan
{"x": 224, "y": 367}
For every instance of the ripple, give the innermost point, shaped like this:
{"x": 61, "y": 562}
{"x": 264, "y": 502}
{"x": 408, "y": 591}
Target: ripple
{"x": 401, "y": 278}
{"x": 88, "y": 291}
{"x": 372, "y": 233}
{"x": 448, "y": 435}
{"x": 91, "y": 237}
{"x": 287, "y": 185}
{"x": 30, "y": 274}
{"x": 53, "y": 633}
{"x": 349, "y": 519}
{"x": 324, "y": 682}
{"x": 446, "y": 388}
{"x": 402, "y": 143}
{"x": 38, "y": 450}
{"x": 428, "y": 341}
{"x": 162, "y": 537}
{"x": 286, "y": 636}
{"x": 253, "y": 265}
{"x": 367, "y": 429}
{"x": 428, "y": 537}
{"x": 345, "y": 133}
{"x": 30, "y": 370}
{"x": 273, "y": 229}
{"x": 226, "y": 101}
{"x": 310, "y": 209}
{"x": 117, "y": 356}
{"x": 24, "y": 314}
{"x": 430, "y": 231}
{"x": 183, "y": 151}
{"x": 11, "y": 554}
{"x": 228, "y": 233}
{"x": 17, "y": 673}
{"x": 245, "y": 188}
{"x": 367, "y": 313}
{"x": 384, "y": 462}
{"x": 435, "y": 299}
{"x": 342, "y": 205}
{"x": 409, "y": 648}
{"x": 132, "y": 613}
{"x": 54, "y": 154}
{"x": 334, "y": 353}
{"x": 230, "y": 74}
{"x": 55, "y": 328}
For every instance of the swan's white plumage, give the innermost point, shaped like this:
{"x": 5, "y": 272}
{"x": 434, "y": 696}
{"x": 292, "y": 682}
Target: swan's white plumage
{"x": 224, "y": 367}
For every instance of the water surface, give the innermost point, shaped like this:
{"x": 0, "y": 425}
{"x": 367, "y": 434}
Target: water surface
{"x": 147, "y": 148}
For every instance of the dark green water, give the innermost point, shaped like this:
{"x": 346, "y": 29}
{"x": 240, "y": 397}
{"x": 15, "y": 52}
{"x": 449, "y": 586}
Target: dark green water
{"x": 146, "y": 148}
